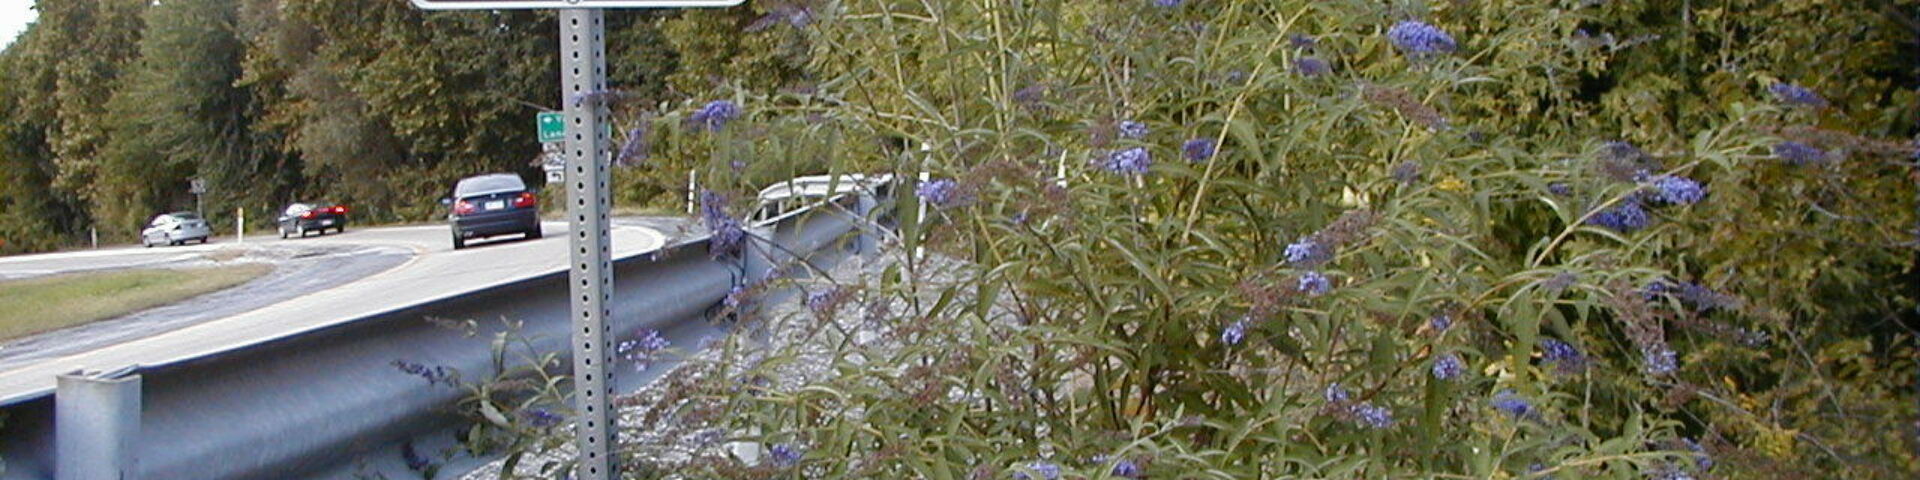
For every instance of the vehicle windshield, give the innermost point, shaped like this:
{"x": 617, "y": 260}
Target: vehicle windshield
{"x": 488, "y": 184}
{"x": 298, "y": 208}
{"x": 184, "y": 215}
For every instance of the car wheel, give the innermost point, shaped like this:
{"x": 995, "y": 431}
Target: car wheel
{"x": 340, "y": 229}
{"x": 203, "y": 240}
{"x": 534, "y": 234}
{"x": 283, "y": 234}
{"x": 302, "y": 230}
{"x": 145, "y": 243}
{"x": 459, "y": 243}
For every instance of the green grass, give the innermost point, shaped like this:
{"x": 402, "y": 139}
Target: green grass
{"x": 37, "y": 305}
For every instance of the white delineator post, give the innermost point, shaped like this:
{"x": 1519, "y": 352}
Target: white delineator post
{"x": 240, "y": 225}
{"x": 583, "y": 81}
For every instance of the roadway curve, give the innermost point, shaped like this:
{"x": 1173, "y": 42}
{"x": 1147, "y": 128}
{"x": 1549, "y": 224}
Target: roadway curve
{"x": 318, "y": 282}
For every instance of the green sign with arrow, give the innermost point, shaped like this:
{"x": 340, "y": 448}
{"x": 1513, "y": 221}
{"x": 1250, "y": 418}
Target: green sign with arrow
{"x": 553, "y": 127}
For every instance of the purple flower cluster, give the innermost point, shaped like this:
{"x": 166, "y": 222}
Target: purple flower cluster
{"x": 540, "y": 417}
{"x": 726, "y": 233}
{"x": 640, "y": 351}
{"x": 1168, "y": 3}
{"x": 735, "y": 297}
{"x": 1122, "y": 467}
{"x": 1336, "y": 394}
{"x": 1448, "y": 367}
{"x": 1677, "y": 190}
{"x": 1047, "y": 471}
{"x": 785, "y": 456}
{"x": 1624, "y": 217}
{"x": 1799, "y": 153}
{"x": 1236, "y": 331}
{"x": 1513, "y": 405}
{"x": 1564, "y": 357}
{"x": 1373, "y": 416}
{"x": 1132, "y": 130}
{"x": 824, "y": 302}
{"x": 1791, "y": 94}
{"x": 1419, "y": 39}
{"x": 1314, "y": 284}
{"x": 1658, "y": 359}
{"x": 1132, "y": 161}
{"x": 1308, "y": 253}
{"x": 715, "y": 115}
{"x": 434, "y": 375}
{"x": 1695, "y": 295}
{"x": 635, "y": 149}
{"x": 1311, "y": 66}
{"x": 1198, "y": 149}
{"x": 1440, "y": 323}
{"x": 1340, "y": 403}
{"x": 941, "y": 193}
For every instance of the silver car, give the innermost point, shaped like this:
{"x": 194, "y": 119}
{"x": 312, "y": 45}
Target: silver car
{"x": 174, "y": 229}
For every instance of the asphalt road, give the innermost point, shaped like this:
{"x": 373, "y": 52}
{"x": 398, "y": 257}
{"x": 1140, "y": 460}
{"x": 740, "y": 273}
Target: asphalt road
{"x": 318, "y": 282}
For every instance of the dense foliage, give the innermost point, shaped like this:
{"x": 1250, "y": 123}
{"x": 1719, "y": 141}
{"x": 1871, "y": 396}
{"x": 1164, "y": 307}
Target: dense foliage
{"x": 111, "y": 106}
{"x": 1357, "y": 239}
{"x": 1220, "y": 239}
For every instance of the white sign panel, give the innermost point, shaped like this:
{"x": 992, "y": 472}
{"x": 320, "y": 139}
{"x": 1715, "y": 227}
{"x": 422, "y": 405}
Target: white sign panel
{"x": 535, "y": 4}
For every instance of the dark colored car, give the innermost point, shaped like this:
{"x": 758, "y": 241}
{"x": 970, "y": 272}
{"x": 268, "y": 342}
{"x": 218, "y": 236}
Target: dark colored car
{"x": 301, "y": 218}
{"x": 491, "y": 205}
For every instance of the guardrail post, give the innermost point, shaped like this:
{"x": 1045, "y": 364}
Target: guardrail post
{"x": 96, "y": 422}
{"x": 868, "y": 241}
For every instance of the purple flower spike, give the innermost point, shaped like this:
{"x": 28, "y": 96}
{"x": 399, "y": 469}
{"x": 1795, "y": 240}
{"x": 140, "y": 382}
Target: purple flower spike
{"x": 1132, "y": 161}
{"x": 1511, "y": 404}
{"x": 1311, "y": 66}
{"x": 1799, "y": 153}
{"x": 1373, "y": 416}
{"x": 1315, "y": 284}
{"x": 1791, "y": 94}
{"x": 715, "y": 115}
{"x": 1419, "y": 39}
{"x": 1235, "y": 332}
{"x": 1678, "y": 190}
{"x": 1624, "y": 217}
{"x": 1199, "y": 149}
{"x": 1448, "y": 367}
{"x": 941, "y": 193}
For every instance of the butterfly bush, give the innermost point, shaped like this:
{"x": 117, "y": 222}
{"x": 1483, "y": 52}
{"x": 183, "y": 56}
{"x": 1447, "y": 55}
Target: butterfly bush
{"x": 1444, "y": 271}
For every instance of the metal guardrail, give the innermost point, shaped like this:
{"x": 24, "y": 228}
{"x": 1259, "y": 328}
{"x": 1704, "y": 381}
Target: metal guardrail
{"x": 298, "y": 406}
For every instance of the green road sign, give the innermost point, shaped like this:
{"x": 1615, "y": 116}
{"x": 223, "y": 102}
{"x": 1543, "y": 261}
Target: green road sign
{"x": 553, "y": 127}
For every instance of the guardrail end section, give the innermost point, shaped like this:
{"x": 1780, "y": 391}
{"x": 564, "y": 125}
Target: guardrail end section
{"x": 96, "y": 422}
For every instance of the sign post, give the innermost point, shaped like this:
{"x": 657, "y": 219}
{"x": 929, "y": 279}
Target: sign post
{"x": 197, "y": 187}
{"x": 585, "y": 127}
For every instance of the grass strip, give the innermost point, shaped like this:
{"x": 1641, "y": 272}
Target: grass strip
{"x": 41, "y": 304}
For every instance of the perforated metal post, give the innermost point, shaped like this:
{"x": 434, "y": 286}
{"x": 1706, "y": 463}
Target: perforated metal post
{"x": 583, "y": 79}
